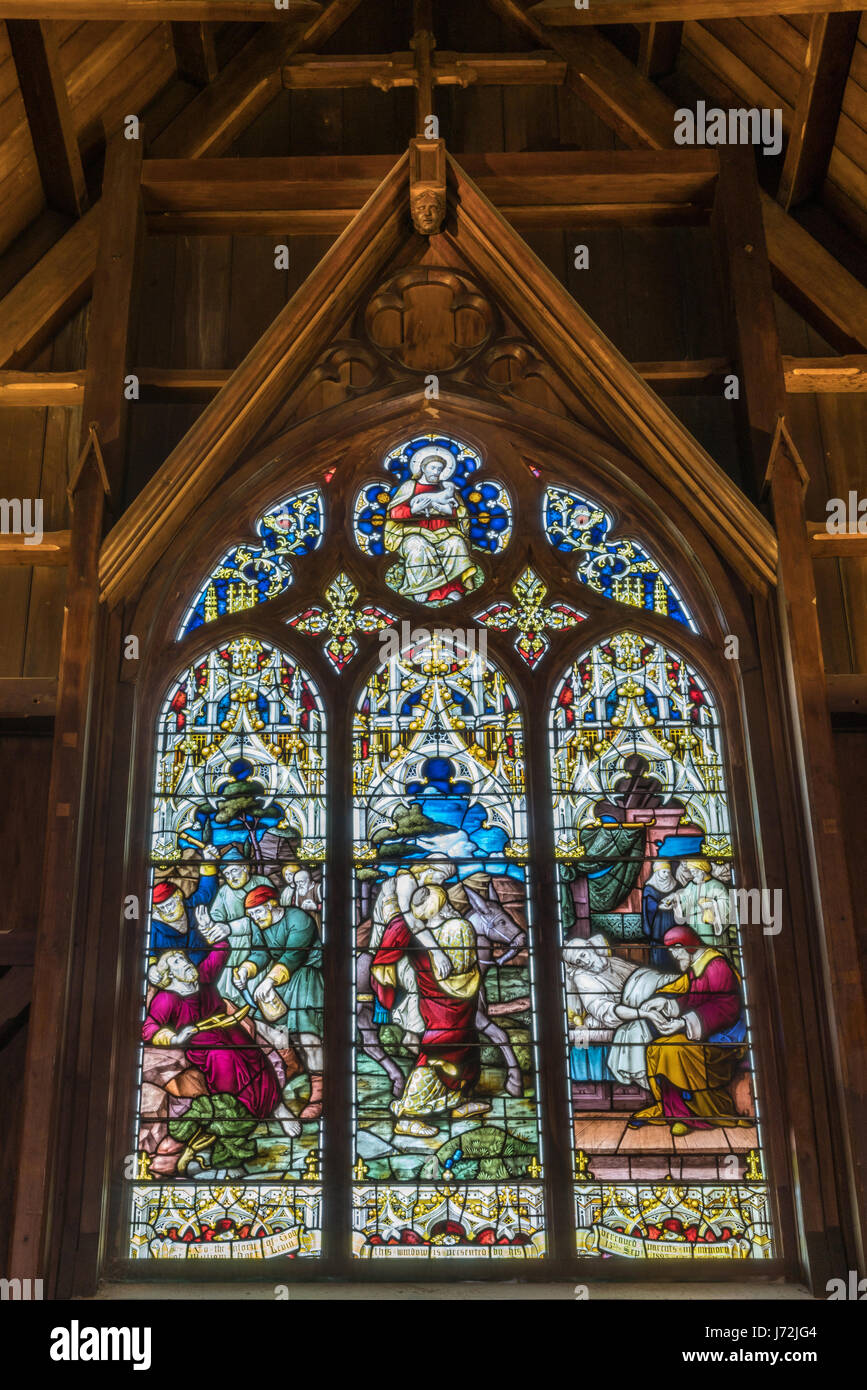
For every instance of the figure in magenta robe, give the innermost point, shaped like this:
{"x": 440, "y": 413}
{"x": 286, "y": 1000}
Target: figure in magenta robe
{"x": 691, "y": 1067}
{"x": 230, "y": 1061}
{"x": 441, "y": 947}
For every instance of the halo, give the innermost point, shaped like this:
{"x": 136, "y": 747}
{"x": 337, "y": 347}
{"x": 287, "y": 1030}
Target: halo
{"x": 431, "y": 451}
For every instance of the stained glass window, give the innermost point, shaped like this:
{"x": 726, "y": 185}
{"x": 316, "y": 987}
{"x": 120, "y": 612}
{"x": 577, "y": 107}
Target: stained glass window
{"x": 447, "y": 1142}
{"x": 448, "y": 931}
{"x": 667, "y": 1151}
{"x": 228, "y": 1137}
{"x": 620, "y": 569}
{"x": 432, "y": 518}
{"x": 253, "y": 572}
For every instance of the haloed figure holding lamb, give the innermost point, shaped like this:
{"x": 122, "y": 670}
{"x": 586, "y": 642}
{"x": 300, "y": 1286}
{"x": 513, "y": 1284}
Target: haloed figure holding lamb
{"x": 427, "y": 524}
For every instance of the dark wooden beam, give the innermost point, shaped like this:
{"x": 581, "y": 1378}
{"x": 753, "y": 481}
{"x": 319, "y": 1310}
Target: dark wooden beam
{"x": 659, "y": 45}
{"x": 842, "y": 545}
{"x": 41, "y": 388}
{"x": 825, "y": 374}
{"x": 609, "y": 178}
{"x": 808, "y": 276}
{"x": 562, "y": 13}
{"x": 388, "y": 70}
{"x": 825, "y": 848}
{"x": 53, "y": 549}
{"x": 195, "y": 53}
{"x": 749, "y": 302}
{"x": 46, "y": 102}
{"x": 47, "y": 295}
{"x": 23, "y": 696}
{"x": 817, "y": 111}
{"x": 688, "y": 378}
{"x": 156, "y": 11}
{"x": 699, "y": 376}
{"x": 17, "y": 947}
{"x": 37, "y": 1171}
{"x": 246, "y": 85}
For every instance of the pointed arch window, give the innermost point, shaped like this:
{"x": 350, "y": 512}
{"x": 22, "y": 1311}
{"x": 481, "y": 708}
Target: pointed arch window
{"x": 534, "y": 917}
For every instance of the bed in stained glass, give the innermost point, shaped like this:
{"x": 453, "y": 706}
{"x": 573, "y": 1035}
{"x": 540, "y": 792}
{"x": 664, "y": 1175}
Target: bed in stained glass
{"x": 667, "y": 1147}
{"x": 228, "y": 1129}
{"x": 447, "y": 1137}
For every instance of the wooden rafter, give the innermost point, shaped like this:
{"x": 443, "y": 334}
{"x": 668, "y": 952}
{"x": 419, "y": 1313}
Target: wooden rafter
{"x": 48, "y": 294}
{"x": 46, "y": 102}
{"x": 564, "y": 14}
{"x": 820, "y": 96}
{"x": 155, "y": 11}
{"x": 659, "y": 45}
{"x": 195, "y": 52}
{"x": 806, "y": 274}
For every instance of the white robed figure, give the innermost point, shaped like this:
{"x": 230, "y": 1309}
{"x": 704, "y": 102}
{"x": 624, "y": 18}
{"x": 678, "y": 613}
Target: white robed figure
{"x": 627, "y": 1059}
{"x": 428, "y": 525}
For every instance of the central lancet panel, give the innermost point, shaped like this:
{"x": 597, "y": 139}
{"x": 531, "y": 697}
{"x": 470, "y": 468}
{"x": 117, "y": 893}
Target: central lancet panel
{"x": 447, "y": 1135}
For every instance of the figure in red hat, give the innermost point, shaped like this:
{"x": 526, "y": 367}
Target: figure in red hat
{"x": 691, "y": 1066}
{"x": 179, "y": 923}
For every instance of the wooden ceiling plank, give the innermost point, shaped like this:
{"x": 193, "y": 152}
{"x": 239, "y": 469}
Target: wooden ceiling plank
{"x": 817, "y": 111}
{"x": 563, "y": 13}
{"x": 195, "y": 52}
{"x": 49, "y": 116}
{"x": 818, "y": 286}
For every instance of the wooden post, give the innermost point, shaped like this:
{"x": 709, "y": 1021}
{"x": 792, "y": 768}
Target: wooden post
{"x": 749, "y": 302}
{"x": 66, "y": 838}
{"x": 844, "y": 986}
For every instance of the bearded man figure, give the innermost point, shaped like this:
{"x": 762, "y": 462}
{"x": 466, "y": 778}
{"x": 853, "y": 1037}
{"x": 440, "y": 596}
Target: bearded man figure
{"x": 691, "y": 1067}
{"x": 443, "y": 955}
{"x": 187, "y": 1011}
